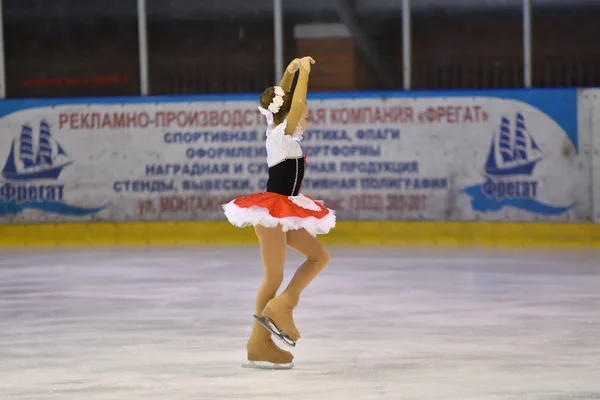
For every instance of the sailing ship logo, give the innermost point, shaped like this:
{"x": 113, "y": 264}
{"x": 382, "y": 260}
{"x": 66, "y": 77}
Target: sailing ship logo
{"x": 510, "y": 163}
{"x": 29, "y": 166}
{"x": 515, "y": 154}
{"x": 47, "y": 163}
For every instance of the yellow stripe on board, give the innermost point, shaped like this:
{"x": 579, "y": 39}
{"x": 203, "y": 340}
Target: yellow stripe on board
{"x": 372, "y": 233}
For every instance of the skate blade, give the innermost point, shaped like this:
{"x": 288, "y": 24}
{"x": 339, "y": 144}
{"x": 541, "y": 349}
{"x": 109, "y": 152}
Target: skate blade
{"x": 267, "y": 365}
{"x": 281, "y": 335}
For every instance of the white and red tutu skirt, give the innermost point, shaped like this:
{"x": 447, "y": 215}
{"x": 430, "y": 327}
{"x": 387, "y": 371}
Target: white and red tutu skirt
{"x": 272, "y": 209}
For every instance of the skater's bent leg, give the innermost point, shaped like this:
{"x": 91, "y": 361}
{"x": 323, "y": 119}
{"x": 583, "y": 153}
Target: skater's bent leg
{"x": 280, "y": 309}
{"x": 272, "y": 250}
{"x": 317, "y": 259}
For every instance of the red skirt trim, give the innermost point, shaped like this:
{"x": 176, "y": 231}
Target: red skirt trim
{"x": 280, "y": 206}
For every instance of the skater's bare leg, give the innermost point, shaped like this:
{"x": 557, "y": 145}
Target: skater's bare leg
{"x": 280, "y": 308}
{"x": 272, "y": 247}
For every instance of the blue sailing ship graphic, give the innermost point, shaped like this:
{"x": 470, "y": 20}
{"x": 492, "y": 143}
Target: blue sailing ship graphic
{"x": 31, "y": 172}
{"x": 509, "y": 166}
{"x": 35, "y": 165}
{"x": 513, "y": 154}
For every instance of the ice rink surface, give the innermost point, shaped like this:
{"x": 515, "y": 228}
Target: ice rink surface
{"x": 379, "y": 323}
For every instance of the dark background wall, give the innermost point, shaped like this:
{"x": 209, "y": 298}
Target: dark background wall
{"x": 90, "y": 48}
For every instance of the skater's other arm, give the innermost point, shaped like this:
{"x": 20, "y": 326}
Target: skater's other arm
{"x": 289, "y": 75}
{"x": 299, "y": 100}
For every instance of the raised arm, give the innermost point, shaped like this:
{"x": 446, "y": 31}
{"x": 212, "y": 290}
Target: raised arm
{"x": 299, "y": 100}
{"x": 289, "y": 75}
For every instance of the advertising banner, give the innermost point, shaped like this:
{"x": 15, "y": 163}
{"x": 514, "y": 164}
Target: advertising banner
{"x": 512, "y": 156}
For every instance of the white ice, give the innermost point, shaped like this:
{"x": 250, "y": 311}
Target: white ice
{"x": 379, "y": 323}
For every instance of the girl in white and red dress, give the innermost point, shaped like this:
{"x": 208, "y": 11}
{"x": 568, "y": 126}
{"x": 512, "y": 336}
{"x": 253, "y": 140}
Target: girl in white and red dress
{"x": 283, "y": 217}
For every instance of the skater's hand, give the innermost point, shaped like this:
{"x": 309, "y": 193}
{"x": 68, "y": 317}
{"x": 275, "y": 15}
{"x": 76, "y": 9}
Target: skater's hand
{"x": 294, "y": 66}
{"x": 306, "y": 63}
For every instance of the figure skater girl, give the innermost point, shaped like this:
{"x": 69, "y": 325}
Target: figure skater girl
{"x": 282, "y": 217}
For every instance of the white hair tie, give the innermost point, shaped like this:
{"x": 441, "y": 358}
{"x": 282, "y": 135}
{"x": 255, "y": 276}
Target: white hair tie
{"x": 268, "y": 114}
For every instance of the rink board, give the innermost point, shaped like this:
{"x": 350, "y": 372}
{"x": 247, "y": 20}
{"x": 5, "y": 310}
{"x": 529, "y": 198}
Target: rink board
{"x": 428, "y": 165}
{"x": 591, "y": 120}
{"x": 531, "y": 234}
